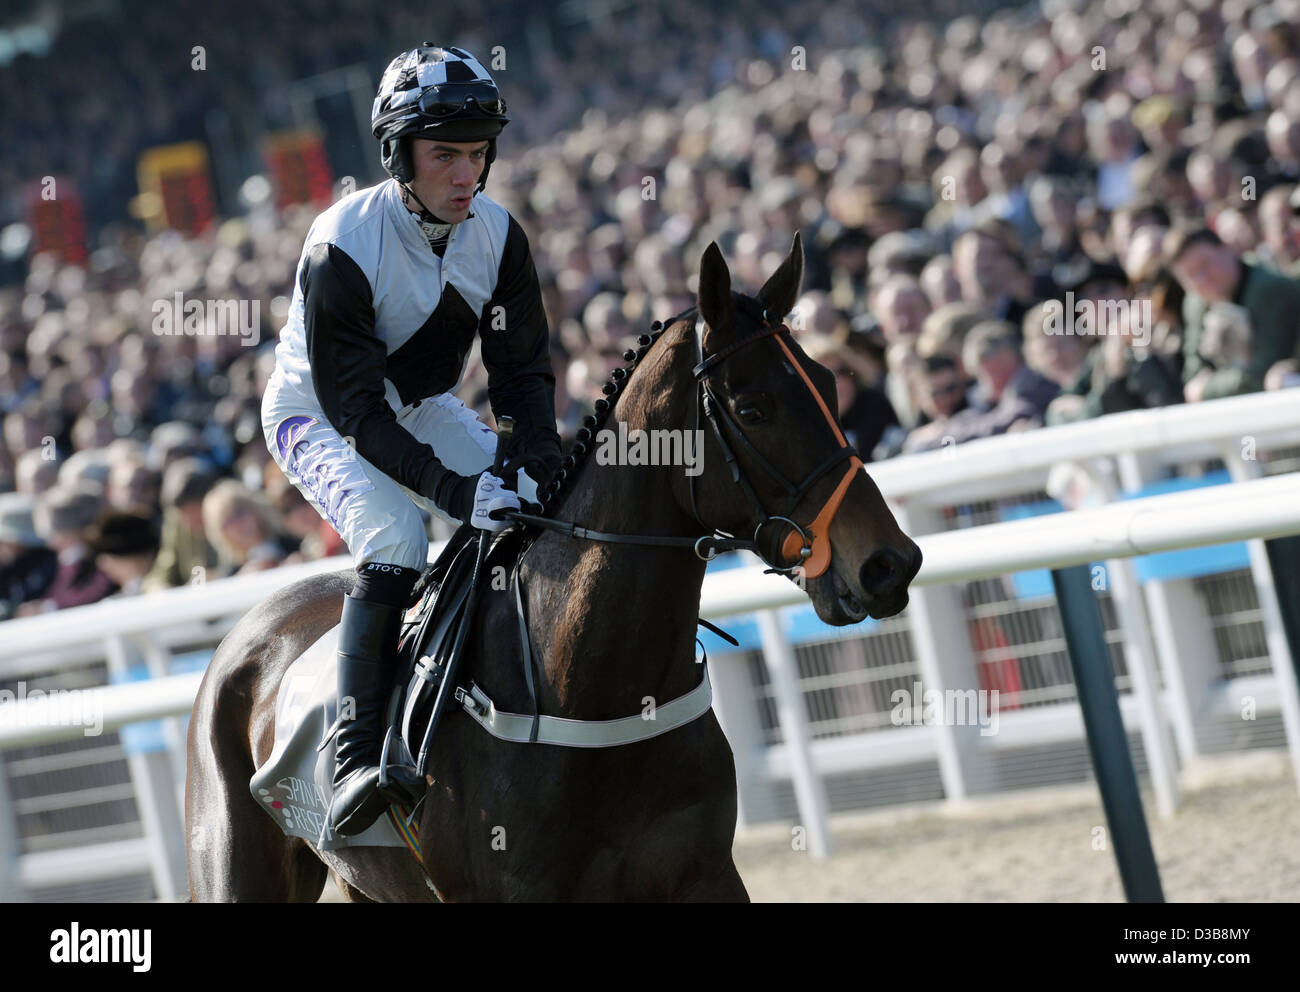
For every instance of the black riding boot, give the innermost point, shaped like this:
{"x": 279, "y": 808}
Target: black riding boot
{"x": 367, "y": 657}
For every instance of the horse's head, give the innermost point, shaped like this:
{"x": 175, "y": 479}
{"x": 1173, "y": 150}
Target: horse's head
{"x": 775, "y": 462}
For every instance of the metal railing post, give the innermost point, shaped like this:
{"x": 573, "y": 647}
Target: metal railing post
{"x": 1126, "y": 595}
{"x": 809, "y": 791}
{"x": 1107, "y": 743}
{"x": 155, "y": 793}
{"x": 946, "y": 660}
{"x": 1279, "y": 648}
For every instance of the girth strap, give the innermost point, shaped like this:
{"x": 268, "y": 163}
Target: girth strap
{"x": 522, "y": 728}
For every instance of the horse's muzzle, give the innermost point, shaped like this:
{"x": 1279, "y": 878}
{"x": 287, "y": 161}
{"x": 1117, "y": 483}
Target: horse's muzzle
{"x": 888, "y": 571}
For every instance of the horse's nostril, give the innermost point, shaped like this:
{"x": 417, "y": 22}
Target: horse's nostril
{"x": 883, "y": 572}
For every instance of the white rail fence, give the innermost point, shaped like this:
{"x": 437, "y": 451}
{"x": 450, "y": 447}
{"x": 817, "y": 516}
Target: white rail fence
{"x": 55, "y": 844}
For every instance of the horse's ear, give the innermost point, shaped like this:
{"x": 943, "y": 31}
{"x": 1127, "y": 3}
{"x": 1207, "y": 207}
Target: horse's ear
{"x": 782, "y": 289}
{"x": 714, "y": 297}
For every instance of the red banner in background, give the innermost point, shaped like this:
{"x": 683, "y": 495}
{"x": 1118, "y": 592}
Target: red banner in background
{"x": 176, "y": 188}
{"x": 56, "y": 219}
{"x": 299, "y": 169}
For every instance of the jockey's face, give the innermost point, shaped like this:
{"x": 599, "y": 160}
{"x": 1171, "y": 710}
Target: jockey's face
{"x": 446, "y": 173}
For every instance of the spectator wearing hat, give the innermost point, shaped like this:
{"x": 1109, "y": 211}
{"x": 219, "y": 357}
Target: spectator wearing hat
{"x": 124, "y": 546}
{"x": 63, "y": 518}
{"x": 1218, "y": 279}
{"x": 27, "y": 566}
{"x": 185, "y": 552}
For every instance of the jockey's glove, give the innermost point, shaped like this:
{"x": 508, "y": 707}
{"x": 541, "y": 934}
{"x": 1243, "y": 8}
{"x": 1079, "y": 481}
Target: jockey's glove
{"x": 491, "y": 494}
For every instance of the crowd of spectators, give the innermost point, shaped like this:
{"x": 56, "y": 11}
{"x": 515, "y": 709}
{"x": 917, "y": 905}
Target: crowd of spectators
{"x": 1034, "y": 217}
{"x": 226, "y": 75}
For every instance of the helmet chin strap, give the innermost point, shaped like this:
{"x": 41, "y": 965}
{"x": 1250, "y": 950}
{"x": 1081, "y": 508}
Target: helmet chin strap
{"x": 435, "y": 228}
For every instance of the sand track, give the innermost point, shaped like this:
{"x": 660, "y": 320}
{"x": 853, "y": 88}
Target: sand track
{"x": 1235, "y": 838}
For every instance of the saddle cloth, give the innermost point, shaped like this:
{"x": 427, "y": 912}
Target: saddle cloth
{"x": 295, "y": 785}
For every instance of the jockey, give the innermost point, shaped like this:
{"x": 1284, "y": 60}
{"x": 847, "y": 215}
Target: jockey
{"x": 392, "y": 286}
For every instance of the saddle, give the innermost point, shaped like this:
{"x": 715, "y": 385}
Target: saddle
{"x": 441, "y": 605}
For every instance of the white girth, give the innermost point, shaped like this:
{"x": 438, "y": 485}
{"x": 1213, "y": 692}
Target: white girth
{"x": 517, "y": 727}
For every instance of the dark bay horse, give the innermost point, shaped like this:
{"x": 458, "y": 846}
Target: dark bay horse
{"x": 611, "y": 625}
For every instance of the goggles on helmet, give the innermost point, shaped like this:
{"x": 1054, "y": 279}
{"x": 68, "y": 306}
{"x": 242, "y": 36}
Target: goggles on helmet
{"x": 451, "y": 98}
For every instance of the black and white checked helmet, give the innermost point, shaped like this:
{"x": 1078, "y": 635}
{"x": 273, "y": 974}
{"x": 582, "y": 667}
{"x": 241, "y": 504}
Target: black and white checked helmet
{"x": 435, "y": 92}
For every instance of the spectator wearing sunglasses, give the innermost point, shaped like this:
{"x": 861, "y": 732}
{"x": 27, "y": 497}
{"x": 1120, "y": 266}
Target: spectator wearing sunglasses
{"x": 1009, "y": 396}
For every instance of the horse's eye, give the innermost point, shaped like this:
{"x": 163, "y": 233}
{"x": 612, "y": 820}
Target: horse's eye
{"x": 750, "y": 414}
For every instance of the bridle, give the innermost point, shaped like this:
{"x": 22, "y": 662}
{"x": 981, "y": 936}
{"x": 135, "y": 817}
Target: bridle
{"x": 790, "y": 543}
{"x": 787, "y": 547}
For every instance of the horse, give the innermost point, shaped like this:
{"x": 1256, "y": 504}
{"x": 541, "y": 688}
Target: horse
{"x": 612, "y": 624}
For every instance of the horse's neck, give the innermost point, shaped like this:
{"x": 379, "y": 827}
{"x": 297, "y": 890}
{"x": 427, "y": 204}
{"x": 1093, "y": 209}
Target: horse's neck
{"x": 617, "y": 622}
